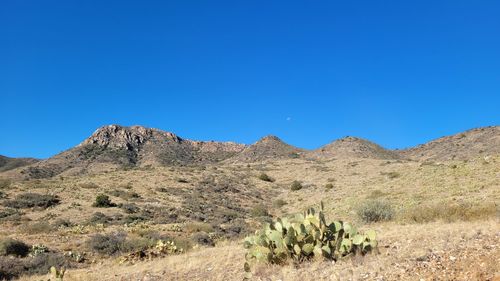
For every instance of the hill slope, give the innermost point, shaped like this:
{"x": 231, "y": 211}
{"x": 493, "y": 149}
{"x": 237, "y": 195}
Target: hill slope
{"x": 8, "y": 163}
{"x": 115, "y": 146}
{"x": 269, "y": 147}
{"x": 462, "y": 146}
{"x": 352, "y": 147}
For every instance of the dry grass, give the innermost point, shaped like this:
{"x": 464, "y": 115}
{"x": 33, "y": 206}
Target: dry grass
{"x": 402, "y": 247}
{"x": 425, "y": 197}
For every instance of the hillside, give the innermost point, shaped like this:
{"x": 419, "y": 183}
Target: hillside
{"x": 8, "y": 163}
{"x": 352, "y": 147}
{"x": 269, "y": 147}
{"x": 115, "y": 147}
{"x": 462, "y": 146}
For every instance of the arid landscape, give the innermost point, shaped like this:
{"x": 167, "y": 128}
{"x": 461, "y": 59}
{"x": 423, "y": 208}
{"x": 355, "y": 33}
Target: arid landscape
{"x": 100, "y": 208}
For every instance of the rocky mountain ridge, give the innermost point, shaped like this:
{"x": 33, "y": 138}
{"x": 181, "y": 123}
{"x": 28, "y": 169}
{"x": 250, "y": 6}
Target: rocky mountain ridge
{"x": 116, "y": 147}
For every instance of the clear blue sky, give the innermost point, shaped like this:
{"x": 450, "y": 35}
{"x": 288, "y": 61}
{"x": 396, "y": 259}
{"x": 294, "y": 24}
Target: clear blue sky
{"x": 396, "y": 72}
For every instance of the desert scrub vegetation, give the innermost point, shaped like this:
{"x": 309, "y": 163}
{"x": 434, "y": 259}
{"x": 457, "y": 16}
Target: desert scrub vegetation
{"x": 451, "y": 211}
{"x": 375, "y": 210}
{"x": 305, "y": 236}
{"x": 259, "y": 210}
{"x": 5, "y": 183}
{"x": 32, "y": 200}
{"x": 296, "y": 185}
{"x": 265, "y": 177}
{"x": 12, "y": 247}
{"x": 103, "y": 201}
{"x": 328, "y": 186}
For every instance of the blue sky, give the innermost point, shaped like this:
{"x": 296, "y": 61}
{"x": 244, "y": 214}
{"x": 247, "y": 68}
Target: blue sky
{"x": 396, "y": 72}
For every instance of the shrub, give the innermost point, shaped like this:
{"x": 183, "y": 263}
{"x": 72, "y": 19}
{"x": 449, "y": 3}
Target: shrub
{"x": 5, "y": 183}
{"x": 375, "y": 210}
{"x": 198, "y": 226}
{"x": 265, "y": 177}
{"x": 202, "y": 238}
{"x": 329, "y": 186}
{"x": 259, "y": 210}
{"x": 103, "y": 201}
{"x": 13, "y": 247}
{"x": 99, "y": 218}
{"x": 30, "y": 200}
{"x": 305, "y": 236}
{"x": 38, "y": 227}
{"x": 278, "y": 203}
{"x": 181, "y": 180}
{"x": 107, "y": 244}
{"x": 130, "y": 208}
{"x": 62, "y": 223}
{"x": 296, "y": 185}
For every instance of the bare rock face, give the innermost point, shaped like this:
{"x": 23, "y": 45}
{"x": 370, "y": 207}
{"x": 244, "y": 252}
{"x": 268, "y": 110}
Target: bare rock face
{"x": 131, "y": 138}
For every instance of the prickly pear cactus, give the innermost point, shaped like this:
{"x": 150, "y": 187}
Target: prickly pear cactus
{"x": 57, "y": 274}
{"x": 305, "y": 236}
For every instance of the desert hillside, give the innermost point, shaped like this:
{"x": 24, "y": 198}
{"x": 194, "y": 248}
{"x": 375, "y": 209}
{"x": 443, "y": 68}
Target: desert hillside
{"x": 100, "y": 208}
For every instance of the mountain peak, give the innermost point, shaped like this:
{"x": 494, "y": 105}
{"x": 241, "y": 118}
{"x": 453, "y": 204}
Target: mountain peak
{"x": 117, "y": 136}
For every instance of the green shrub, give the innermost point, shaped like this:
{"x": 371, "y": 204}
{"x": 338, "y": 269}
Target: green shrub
{"x": 305, "y": 236}
{"x": 375, "y": 210}
{"x": 107, "y": 244}
{"x": 259, "y": 210}
{"x": 329, "y": 186}
{"x": 11, "y": 247}
{"x": 265, "y": 177}
{"x": 103, "y": 201}
{"x": 296, "y": 185}
{"x": 31, "y": 200}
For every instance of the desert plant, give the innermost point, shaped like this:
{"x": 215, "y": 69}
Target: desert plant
{"x": 296, "y": 185}
{"x": 103, "y": 201}
{"x": 265, "y": 177}
{"x": 5, "y": 183}
{"x": 328, "y": 186}
{"x": 31, "y": 200}
{"x": 259, "y": 210}
{"x": 278, "y": 203}
{"x": 57, "y": 274}
{"x": 107, "y": 244}
{"x": 11, "y": 247}
{"x": 305, "y": 236}
{"x": 375, "y": 210}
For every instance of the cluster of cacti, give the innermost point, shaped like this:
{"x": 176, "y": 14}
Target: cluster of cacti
{"x": 75, "y": 256}
{"x": 304, "y": 236}
{"x": 57, "y": 274}
{"x": 38, "y": 249}
{"x": 167, "y": 247}
{"x": 162, "y": 248}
